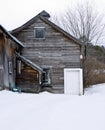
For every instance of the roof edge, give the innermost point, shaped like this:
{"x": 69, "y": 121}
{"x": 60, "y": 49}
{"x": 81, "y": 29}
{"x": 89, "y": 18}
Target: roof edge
{"x": 42, "y": 14}
{"x": 62, "y": 31}
{"x": 51, "y": 24}
{"x": 11, "y": 36}
{"x": 30, "y": 63}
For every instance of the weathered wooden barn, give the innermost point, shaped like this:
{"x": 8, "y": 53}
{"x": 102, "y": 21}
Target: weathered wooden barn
{"x": 35, "y": 56}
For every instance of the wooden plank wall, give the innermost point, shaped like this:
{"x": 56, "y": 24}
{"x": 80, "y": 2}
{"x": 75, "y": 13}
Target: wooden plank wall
{"x": 56, "y": 51}
{"x": 1, "y": 62}
{"x": 28, "y": 80}
{"x": 6, "y": 55}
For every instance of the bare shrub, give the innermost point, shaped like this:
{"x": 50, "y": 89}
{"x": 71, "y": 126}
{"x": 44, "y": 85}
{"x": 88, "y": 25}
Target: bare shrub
{"x": 94, "y": 72}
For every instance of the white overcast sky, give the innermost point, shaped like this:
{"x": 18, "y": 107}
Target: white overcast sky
{"x": 14, "y": 13}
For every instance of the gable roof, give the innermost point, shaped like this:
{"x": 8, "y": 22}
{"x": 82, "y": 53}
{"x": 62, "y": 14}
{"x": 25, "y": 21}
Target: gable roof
{"x": 41, "y": 14}
{"x": 11, "y": 36}
{"x": 43, "y": 17}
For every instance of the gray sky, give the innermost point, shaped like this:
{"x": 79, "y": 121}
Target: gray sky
{"x": 14, "y": 13}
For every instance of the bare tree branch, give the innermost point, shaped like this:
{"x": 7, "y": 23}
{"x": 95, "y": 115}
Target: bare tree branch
{"x": 84, "y": 23}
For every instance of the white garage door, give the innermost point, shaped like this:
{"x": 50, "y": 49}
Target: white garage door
{"x": 73, "y": 81}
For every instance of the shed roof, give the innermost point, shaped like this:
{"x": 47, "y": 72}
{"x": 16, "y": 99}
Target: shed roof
{"x": 30, "y": 63}
{"x": 42, "y": 17}
{"x": 11, "y": 36}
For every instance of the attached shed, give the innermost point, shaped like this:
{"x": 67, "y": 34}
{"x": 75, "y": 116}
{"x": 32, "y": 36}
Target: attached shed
{"x": 28, "y": 75}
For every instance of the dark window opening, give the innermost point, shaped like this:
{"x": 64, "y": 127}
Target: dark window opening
{"x": 40, "y": 32}
{"x": 46, "y": 77}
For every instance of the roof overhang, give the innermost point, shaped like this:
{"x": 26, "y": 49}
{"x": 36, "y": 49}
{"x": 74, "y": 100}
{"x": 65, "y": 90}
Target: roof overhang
{"x": 30, "y": 63}
{"x": 14, "y": 39}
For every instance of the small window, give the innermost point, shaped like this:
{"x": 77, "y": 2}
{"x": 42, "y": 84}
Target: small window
{"x": 46, "y": 77}
{"x": 40, "y": 32}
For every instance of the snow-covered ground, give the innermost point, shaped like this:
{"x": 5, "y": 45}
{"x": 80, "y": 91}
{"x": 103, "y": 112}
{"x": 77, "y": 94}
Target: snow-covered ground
{"x": 47, "y": 111}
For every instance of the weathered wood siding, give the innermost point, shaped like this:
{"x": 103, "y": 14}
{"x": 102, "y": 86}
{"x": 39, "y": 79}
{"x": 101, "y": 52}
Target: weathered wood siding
{"x": 28, "y": 79}
{"x": 7, "y": 55}
{"x": 1, "y": 62}
{"x": 9, "y": 63}
{"x": 56, "y": 51}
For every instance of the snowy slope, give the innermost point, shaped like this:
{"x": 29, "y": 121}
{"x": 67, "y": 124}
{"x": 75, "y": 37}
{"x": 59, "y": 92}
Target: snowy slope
{"x": 47, "y": 111}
